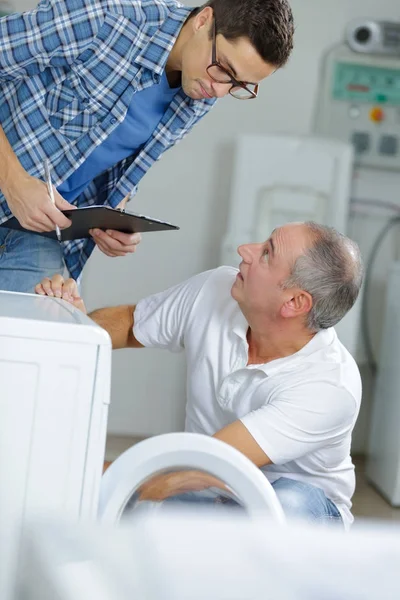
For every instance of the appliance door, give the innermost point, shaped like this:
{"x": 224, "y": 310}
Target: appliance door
{"x": 241, "y": 481}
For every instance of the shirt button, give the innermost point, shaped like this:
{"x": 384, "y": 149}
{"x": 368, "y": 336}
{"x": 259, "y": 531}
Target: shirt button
{"x": 113, "y": 120}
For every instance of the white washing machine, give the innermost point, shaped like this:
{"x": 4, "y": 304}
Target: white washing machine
{"x": 134, "y": 563}
{"x": 55, "y": 389}
{"x": 383, "y": 467}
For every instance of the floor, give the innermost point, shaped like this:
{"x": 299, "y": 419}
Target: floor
{"x": 367, "y": 503}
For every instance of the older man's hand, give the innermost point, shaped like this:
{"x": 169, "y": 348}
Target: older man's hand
{"x": 58, "y": 287}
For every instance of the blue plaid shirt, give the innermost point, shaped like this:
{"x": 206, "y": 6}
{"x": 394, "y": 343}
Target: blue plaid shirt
{"x": 68, "y": 72}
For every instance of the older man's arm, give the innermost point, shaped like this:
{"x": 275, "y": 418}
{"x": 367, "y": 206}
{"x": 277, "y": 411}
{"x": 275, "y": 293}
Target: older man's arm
{"x": 170, "y": 484}
{"x": 238, "y": 436}
{"x": 118, "y": 321}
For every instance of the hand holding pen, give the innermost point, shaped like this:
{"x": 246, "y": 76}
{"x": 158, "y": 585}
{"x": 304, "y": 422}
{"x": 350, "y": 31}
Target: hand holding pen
{"x": 51, "y": 192}
{"x": 30, "y": 202}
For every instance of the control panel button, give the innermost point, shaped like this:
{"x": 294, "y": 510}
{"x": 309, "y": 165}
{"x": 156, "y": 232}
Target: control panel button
{"x": 388, "y": 145}
{"x": 376, "y": 114}
{"x": 354, "y": 112}
{"x": 360, "y": 141}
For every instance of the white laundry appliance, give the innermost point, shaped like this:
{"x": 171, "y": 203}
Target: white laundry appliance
{"x": 383, "y": 467}
{"x": 198, "y": 556}
{"x": 54, "y": 566}
{"x": 359, "y": 102}
{"x": 55, "y": 389}
{"x": 281, "y": 178}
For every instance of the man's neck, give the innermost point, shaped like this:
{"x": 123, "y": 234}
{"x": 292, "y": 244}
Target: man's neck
{"x": 275, "y": 342}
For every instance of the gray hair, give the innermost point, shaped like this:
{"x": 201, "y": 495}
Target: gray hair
{"x": 331, "y": 271}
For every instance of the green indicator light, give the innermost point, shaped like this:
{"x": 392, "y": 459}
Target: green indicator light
{"x": 381, "y": 98}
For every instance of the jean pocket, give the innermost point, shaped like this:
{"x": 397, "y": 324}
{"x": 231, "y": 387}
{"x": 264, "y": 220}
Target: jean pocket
{"x": 33, "y": 252}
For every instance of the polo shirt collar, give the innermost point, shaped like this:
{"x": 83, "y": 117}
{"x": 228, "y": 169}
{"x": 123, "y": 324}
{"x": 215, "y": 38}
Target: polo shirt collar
{"x": 323, "y": 338}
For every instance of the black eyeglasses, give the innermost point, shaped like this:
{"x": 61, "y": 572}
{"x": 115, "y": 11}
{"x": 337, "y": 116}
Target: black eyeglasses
{"x": 242, "y": 90}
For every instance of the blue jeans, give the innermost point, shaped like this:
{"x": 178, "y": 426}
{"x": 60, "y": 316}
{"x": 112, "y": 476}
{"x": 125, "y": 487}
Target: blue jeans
{"x": 25, "y": 258}
{"x": 299, "y": 501}
{"x": 305, "y": 501}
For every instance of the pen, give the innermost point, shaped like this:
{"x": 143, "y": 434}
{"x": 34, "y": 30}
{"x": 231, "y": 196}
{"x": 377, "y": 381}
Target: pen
{"x": 51, "y": 193}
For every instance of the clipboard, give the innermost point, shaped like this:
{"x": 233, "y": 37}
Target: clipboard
{"x": 99, "y": 217}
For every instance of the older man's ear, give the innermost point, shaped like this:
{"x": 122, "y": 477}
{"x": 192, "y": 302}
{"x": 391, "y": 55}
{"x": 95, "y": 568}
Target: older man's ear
{"x": 299, "y": 304}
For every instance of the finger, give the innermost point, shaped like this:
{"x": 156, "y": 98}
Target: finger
{"x": 62, "y": 203}
{"x": 70, "y": 290}
{"x": 56, "y": 217}
{"x": 39, "y": 290}
{"x": 113, "y": 245}
{"x": 101, "y": 237}
{"x": 127, "y": 239}
{"x": 43, "y": 219}
{"x": 123, "y": 251}
{"x": 57, "y": 282}
{"x": 39, "y": 222}
{"x": 46, "y": 286}
{"x": 108, "y": 252}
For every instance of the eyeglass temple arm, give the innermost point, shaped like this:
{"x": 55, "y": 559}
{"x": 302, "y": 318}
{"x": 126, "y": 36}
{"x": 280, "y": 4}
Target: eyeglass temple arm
{"x": 214, "y": 45}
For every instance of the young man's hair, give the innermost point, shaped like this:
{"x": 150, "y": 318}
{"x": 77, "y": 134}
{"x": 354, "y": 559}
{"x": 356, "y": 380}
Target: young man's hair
{"x": 268, "y": 24}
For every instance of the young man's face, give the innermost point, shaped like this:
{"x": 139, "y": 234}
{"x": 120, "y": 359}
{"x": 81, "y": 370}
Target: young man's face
{"x": 238, "y": 57}
{"x": 265, "y": 267}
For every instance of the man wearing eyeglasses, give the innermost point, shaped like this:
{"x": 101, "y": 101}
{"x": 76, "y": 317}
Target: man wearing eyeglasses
{"x": 101, "y": 90}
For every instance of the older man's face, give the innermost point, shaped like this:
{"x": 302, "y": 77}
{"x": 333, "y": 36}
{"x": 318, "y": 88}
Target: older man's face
{"x": 264, "y": 267}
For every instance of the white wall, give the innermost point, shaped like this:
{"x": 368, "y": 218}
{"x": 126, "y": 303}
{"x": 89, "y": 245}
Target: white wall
{"x": 190, "y": 187}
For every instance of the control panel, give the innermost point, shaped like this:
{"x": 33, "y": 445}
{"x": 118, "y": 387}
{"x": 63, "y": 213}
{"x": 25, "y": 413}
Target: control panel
{"x": 360, "y": 103}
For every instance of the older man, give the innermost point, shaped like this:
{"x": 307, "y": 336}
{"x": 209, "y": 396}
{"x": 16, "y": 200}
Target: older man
{"x": 266, "y": 371}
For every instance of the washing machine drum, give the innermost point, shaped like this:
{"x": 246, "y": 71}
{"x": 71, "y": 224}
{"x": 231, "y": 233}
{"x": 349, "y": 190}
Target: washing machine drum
{"x": 236, "y": 480}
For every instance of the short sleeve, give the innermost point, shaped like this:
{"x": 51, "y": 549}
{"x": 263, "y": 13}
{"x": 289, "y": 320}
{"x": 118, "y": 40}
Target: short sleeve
{"x": 301, "y": 420}
{"x": 160, "y": 321}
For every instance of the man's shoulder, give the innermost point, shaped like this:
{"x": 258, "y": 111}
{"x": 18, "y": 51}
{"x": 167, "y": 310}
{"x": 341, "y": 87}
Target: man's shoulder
{"x": 221, "y": 278}
{"x": 214, "y": 280}
{"x": 151, "y": 11}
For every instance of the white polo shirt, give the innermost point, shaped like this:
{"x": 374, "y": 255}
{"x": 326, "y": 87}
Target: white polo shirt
{"x": 300, "y": 409}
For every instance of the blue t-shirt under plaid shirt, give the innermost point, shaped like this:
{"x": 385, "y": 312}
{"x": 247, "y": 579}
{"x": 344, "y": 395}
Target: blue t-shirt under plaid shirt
{"x": 68, "y": 72}
{"x": 144, "y": 114}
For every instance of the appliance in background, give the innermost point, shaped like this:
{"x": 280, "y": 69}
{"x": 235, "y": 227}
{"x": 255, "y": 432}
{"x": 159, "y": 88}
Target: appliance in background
{"x": 359, "y": 103}
{"x": 374, "y": 37}
{"x": 281, "y": 178}
{"x": 55, "y": 389}
{"x": 383, "y": 466}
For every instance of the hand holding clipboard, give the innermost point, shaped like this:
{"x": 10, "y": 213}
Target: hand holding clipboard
{"x": 99, "y": 217}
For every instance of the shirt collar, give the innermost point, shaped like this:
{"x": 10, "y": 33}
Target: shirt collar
{"x": 155, "y": 54}
{"x": 323, "y": 338}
